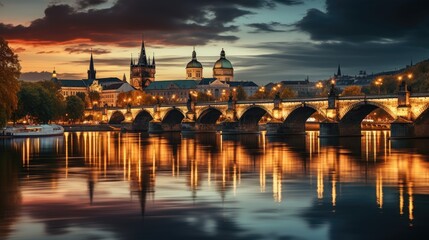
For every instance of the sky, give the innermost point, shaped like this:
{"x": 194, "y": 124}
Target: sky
{"x": 266, "y": 40}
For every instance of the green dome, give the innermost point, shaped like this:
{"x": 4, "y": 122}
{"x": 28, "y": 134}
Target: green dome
{"x": 194, "y": 64}
{"x": 222, "y": 62}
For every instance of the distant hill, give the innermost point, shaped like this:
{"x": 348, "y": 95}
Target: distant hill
{"x": 35, "y": 76}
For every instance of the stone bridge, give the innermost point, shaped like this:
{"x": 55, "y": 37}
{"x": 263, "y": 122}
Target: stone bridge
{"x": 342, "y": 116}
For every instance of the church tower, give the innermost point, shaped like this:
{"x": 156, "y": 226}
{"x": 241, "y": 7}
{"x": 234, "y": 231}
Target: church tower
{"x": 143, "y": 72}
{"x": 194, "y": 69}
{"x": 91, "y": 71}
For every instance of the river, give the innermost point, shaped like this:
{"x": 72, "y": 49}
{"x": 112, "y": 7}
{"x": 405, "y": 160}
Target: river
{"x": 112, "y": 185}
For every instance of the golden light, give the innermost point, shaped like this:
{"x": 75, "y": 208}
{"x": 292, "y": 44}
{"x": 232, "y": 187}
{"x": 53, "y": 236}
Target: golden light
{"x": 400, "y": 78}
{"x": 332, "y": 81}
{"x": 410, "y": 75}
{"x": 234, "y": 89}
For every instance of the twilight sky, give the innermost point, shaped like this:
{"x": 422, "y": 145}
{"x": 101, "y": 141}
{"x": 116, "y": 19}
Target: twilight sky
{"x": 266, "y": 40}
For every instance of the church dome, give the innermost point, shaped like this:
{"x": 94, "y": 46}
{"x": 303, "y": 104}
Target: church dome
{"x": 194, "y": 63}
{"x": 222, "y": 62}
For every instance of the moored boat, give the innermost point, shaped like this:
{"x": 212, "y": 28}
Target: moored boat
{"x": 32, "y": 130}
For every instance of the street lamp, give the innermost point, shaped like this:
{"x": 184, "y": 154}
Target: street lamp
{"x": 378, "y": 83}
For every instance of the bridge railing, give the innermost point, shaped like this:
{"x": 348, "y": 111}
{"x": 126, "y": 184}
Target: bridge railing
{"x": 262, "y": 101}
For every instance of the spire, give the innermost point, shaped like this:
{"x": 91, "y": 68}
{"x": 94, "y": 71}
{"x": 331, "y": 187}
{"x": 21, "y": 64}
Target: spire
{"x": 194, "y": 54}
{"x": 143, "y": 58}
{"x": 222, "y": 53}
{"x": 153, "y": 60}
{"x": 339, "y": 70}
{"x": 131, "y": 62}
{"x": 124, "y": 78}
{"x": 91, "y": 71}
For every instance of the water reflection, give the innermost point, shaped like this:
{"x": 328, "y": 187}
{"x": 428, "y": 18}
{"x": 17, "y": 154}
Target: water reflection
{"x": 128, "y": 185}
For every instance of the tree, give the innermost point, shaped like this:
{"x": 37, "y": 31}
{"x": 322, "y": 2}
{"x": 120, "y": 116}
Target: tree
{"x": 82, "y": 96}
{"x": 352, "y": 91}
{"x": 286, "y": 92}
{"x": 39, "y": 101}
{"x": 10, "y": 71}
{"x": 75, "y": 108}
{"x": 94, "y": 97}
{"x": 240, "y": 94}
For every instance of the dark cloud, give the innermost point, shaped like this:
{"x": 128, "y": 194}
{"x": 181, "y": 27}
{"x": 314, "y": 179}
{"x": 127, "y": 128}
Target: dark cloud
{"x": 35, "y": 76}
{"x": 85, "y": 48}
{"x": 163, "y": 22}
{"x": 266, "y": 27}
{"x": 383, "y": 21}
{"x": 47, "y": 52}
{"x": 120, "y": 62}
{"x": 89, "y": 3}
{"x": 19, "y": 50}
{"x": 320, "y": 60}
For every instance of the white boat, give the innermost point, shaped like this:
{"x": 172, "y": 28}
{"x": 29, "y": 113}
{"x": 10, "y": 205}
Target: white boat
{"x": 32, "y": 130}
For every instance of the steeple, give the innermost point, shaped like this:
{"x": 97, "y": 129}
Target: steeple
{"x": 339, "y": 70}
{"x": 124, "y": 78}
{"x": 153, "y": 60}
{"x": 131, "y": 62}
{"x": 194, "y": 55}
{"x": 91, "y": 71}
{"x": 143, "y": 58}
{"x": 222, "y": 53}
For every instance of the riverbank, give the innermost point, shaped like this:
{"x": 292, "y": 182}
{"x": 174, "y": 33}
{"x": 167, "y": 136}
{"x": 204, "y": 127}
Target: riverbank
{"x": 90, "y": 128}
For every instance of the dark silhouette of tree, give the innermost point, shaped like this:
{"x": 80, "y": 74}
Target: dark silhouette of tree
{"x": 10, "y": 70}
{"x": 75, "y": 108}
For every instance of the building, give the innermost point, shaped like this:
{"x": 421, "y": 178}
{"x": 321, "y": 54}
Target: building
{"x": 302, "y": 88}
{"x": 142, "y": 73}
{"x": 109, "y": 94}
{"x": 223, "y": 69}
{"x": 108, "y": 88}
{"x": 172, "y": 90}
{"x": 194, "y": 69}
{"x": 218, "y": 87}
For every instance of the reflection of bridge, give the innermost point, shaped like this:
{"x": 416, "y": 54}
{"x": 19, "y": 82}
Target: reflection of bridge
{"x": 342, "y": 115}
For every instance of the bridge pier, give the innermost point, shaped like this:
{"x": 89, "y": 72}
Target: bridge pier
{"x": 230, "y": 127}
{"x": 155, "y": 127}
{"x": 329, "y": 129}
{"x": 402, "y": 128}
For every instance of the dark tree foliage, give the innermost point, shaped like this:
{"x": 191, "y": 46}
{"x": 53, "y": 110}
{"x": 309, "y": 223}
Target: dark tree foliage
{"x": 10, "y": 70}
{"x": 75, "y": 108}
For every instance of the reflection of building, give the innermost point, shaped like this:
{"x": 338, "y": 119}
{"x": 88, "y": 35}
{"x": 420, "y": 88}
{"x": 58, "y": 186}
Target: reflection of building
{"x": 108, "y": 88}
{"x": 143, "y": 72}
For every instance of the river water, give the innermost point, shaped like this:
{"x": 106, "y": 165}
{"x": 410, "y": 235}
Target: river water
{"x": 111, "y": 185}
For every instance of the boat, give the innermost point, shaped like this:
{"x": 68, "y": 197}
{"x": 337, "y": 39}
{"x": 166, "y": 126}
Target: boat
{"x": 32, "y": 130}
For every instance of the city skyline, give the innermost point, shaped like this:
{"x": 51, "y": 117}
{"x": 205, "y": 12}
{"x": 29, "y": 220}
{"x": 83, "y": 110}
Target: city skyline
{"x": 266, "y": 40}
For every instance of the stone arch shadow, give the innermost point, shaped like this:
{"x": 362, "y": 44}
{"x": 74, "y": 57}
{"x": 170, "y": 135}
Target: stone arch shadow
{"x": 141, "y": 121}
{"x": 117, "y": 117}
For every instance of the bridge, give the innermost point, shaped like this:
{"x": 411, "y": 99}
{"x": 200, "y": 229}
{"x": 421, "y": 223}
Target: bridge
{"x": 342, "y": 116}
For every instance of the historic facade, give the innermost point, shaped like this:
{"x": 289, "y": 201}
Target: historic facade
{"x": 142, "y": 73}
{"x": 194, "y": 69}
{"x": 108, "y": 88}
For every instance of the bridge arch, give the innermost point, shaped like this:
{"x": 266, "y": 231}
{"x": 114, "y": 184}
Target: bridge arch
{"x": 209, "y": 115}
{"x": 350, "y": 122}
{"x": 173, "y": 116}
{"x": 252, "y": 115}
{"x": 116, "y": 118}
{"x": 295, "y": 121}
{"x": 141, "y": 121}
